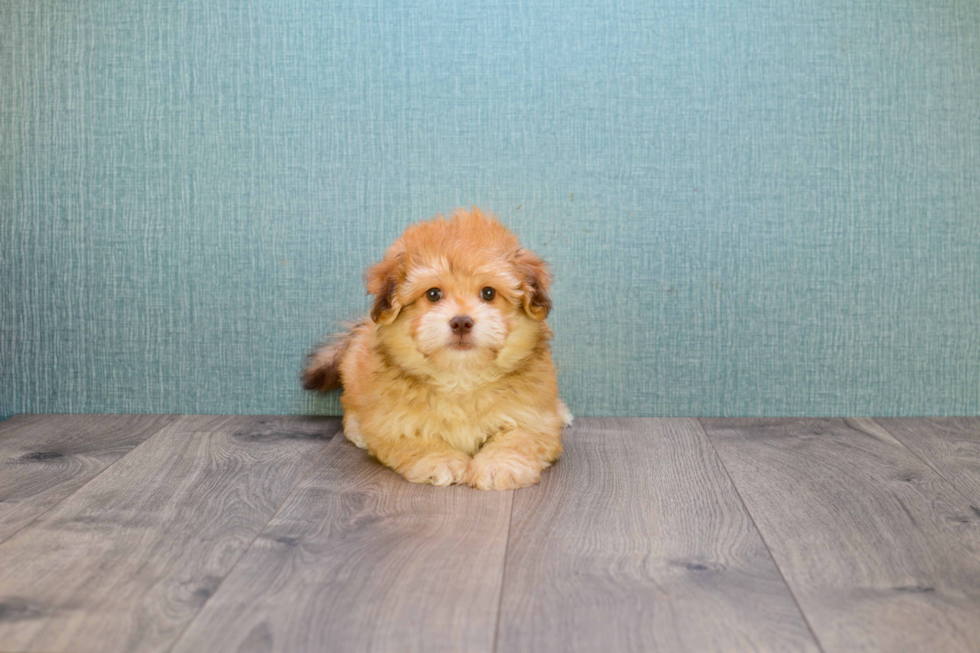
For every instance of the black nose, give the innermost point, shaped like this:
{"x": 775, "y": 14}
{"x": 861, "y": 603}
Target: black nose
{"x": 461, "y": 324}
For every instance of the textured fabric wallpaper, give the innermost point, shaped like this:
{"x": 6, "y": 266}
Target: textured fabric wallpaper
{"x": 751, "y": 208}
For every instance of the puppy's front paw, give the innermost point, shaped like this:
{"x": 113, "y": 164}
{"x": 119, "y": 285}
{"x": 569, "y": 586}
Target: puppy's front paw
{"x": 438, "y": 469}
{"x": 502, "y": 470}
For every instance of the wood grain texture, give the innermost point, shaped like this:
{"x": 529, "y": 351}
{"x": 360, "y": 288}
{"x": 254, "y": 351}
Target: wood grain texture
{"x": 125, "y": 562}
{"x": 950, "y": 445}
{"x": 881, "y": 553}
{"x": 44, "y": 458}
{"x": 360, "y": 560}
{"x": 637, "y": 541}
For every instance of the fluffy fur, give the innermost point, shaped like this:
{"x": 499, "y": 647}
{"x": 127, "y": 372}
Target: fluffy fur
{"x": 444, "y": 407}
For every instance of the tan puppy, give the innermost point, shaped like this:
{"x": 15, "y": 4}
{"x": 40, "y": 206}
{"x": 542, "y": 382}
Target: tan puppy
{"x": 451, "y": 379}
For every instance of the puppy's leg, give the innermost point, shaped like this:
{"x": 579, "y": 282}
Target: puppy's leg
{"x": 513, "y": 459}
{"x": 421, "y": 460}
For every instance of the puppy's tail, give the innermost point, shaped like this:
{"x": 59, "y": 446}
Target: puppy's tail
{"x": 322, "y": 372}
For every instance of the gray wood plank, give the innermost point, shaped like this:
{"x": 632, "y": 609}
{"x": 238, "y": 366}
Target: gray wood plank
{"x": 636, "y": 541}
{"x": 44, "y": 458}
{"x": 126, "y": 561}
{"x": 881, "y": 553}
{"x": 360, "y": 560}
{"x": 950, "y": 445}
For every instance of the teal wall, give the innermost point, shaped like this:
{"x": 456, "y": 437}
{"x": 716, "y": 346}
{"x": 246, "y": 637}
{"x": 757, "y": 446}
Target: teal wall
{"x": 767, "y": 207}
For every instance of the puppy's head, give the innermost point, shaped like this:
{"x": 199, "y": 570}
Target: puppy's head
{"x": 459, "y": 292}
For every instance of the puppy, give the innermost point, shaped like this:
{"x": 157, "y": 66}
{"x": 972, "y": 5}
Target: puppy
{"x": 450, "y": 380}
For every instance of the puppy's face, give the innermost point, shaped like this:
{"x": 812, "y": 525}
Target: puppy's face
{"x": 459, "y": 293}
{"x": 459, "y": 312}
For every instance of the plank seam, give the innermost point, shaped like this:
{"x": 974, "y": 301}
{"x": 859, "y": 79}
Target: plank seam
{"x": 85, "y": 484}
{"x": 503, "y": 574}
{"x": 258, "y": 533}
{"x": 762, "y": 537}
{"x": 925, "y": 462}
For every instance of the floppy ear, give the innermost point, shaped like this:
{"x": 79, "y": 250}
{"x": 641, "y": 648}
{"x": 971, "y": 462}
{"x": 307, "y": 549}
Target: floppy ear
{"x": 535, "y": 284}
{"x": 382, "y": 281}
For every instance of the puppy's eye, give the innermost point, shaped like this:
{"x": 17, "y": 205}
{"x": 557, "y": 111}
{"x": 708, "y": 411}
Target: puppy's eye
{"x": 488, "y": 294}
{"x": 433, "y": 294}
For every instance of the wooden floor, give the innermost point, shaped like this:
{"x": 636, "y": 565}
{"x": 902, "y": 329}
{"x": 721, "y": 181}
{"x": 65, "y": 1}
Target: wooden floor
{"x": 209, "y": 533}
